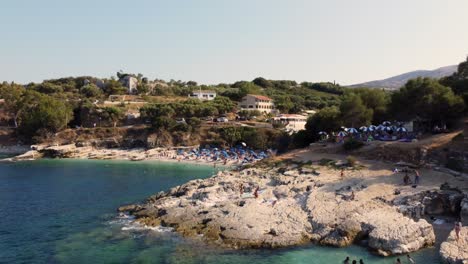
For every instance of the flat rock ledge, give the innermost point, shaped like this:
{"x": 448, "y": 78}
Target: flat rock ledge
{"x": 291, "y": 209}
{"x": 453, "y": 251}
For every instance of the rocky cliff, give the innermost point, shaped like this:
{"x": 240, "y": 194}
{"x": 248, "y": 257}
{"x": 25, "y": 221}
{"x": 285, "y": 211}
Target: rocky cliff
{"x": 271, "y": 207}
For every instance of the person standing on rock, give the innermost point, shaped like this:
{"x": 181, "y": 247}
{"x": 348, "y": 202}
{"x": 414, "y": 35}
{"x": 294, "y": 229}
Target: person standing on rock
{"x": 342, "y": 173}
{"x": 346, "y": 261}
{"x": 417, "y": 177}
{"x": 457, "y": 228}
{"x": 241, "y": 189}
{"x": 410, "y": 259}
{"x": 256, "y": 192}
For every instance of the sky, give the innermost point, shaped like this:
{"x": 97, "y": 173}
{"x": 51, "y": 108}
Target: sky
{"x": 220, "y": 41}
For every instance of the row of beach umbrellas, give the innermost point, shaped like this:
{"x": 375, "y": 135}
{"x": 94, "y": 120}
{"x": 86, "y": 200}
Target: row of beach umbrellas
{"x": 385, "y": 126}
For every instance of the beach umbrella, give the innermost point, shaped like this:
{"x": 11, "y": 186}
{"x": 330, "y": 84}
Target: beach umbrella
{"x": 386, "y": 123}
{"x": 243, "y": 144}
{"x": 322, "y": 133}
{"x": 352, "y": 130}
{"x": 402, "y": 130}
{"x": 363, "y": 128}
{"x": 367, "y": 130}
{"x": 342, "y": 134}
{"x": 380, "y": 127}
{"x": 387, "y": 129}
{"x": 372, "y": 127}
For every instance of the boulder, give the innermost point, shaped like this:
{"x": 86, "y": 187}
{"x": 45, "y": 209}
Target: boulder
{"x": 401, "y": 238}
{"x": 455, "y": 251}
{"x": 464, "y": 210}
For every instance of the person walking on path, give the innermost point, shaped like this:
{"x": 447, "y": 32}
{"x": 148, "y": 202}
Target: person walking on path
{"x": 417, "y": 177}
{"x": 457, "y": 228}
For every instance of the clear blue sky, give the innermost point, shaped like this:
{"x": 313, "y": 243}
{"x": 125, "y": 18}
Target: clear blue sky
{"x": 213, "y": 41}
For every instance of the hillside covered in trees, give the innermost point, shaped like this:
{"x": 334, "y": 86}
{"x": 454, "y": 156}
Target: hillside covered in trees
{"x": 38, "y": 110}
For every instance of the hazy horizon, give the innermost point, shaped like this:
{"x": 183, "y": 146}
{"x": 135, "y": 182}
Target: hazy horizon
{"x": 214, "y": 42}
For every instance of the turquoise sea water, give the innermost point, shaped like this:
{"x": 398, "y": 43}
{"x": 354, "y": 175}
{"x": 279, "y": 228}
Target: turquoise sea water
{"x": 64, "y": 211}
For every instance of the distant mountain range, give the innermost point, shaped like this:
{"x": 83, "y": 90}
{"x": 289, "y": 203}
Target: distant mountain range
{"x": 398, "y": 81}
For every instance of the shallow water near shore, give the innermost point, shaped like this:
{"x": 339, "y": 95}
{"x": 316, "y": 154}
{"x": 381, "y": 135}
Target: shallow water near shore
{"x": 64, "y": 211}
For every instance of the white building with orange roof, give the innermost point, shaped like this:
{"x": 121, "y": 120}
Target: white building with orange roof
{"x": 261, "y": 103}
{"x": 291, "y": 122}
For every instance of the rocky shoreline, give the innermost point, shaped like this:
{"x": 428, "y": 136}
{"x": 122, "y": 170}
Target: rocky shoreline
{"x": 74, "y": 151}
{"x": 287, "y": 205}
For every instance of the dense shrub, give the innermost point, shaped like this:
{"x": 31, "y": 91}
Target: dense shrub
{"x": 352, "y": 144}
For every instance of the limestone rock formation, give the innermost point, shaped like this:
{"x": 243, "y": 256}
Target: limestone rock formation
{"x": 264, "y": 208}
{"x": 455, "y": 251}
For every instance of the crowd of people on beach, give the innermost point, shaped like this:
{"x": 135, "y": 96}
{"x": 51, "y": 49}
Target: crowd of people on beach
{"x": 237, "y": 155}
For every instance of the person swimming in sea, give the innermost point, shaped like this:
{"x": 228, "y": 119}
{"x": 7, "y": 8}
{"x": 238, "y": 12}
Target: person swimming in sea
{"x": 346, "y": 261}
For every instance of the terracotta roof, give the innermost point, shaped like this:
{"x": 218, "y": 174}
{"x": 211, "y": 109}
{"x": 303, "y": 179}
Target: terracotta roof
{"x": 261, "y": 97}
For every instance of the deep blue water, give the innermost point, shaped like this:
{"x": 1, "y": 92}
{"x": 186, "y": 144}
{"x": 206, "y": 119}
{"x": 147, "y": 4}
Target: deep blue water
{"x": 64, "y": 211}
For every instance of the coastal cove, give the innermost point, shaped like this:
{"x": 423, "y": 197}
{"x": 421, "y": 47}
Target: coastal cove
{"x": 64, "y": 211}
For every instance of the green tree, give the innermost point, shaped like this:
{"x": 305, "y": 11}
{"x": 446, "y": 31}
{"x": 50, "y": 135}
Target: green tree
{"x": 113, "y": 86}
{"x": 353, "y": 111}
{"x": 194, "y": 123}
{"x": 375, "y": 99}
{"x": 283, "y": 103}
{"x": 111, "y": 114}
{"x": 223, "y": 104}
{"x": 44, "y": 113}
{"x": 231, "y": 135}
{"x": 12, "y": 95}
{"x": 91, "y": 91}
{"x": 459, "y": 81}
{"x": 426, "y": 98}
{"x": 328, "y": 120}
{"x": 163, "y": 123}
{"x": 262, "y": 82}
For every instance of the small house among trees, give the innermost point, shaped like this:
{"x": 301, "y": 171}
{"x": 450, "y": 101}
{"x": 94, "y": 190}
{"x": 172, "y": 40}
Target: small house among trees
{"x": 203, "y": 95}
